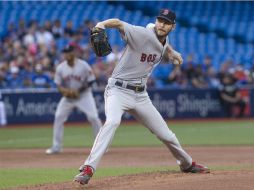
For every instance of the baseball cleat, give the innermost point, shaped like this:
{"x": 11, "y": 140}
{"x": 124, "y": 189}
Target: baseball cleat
{"x": 53, "y": 150}
{"x": 86, "y": 172}
{"x": 196, "y": 168}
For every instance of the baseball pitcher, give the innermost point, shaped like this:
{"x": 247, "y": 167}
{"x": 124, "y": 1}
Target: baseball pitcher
{"x": 126, "y": 89}
{"x": 73, "y": 78}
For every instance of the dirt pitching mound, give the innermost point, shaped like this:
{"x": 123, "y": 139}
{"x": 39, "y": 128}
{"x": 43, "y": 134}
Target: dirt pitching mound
{"x": 238, "y": 161}
{"x": 219, "y": 180}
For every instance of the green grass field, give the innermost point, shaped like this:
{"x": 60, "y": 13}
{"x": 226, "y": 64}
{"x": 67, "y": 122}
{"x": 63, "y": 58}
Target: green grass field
{"x": 189, "y": 133}
{"x": 192, "y": 133}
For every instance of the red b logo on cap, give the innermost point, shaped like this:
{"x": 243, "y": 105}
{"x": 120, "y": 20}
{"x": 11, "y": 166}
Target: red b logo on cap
{"x": 165, "y": 12}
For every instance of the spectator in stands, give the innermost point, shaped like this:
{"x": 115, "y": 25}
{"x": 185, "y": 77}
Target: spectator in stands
{"x": 54, "y": 56}
{"x": 1, "y": 55}
{"x": 14, "y": 79}
{"x": 177, "y": 78}
{"x": 44, "y": 37}
{"x": 57, "y": 29}
{"x": 207, "y": 64}
{"x": 225, "y": 67}
{"x": 41, "y": 44}
{"x": 8, "y": 51}
{"x": 189, "y": 60}
{"x": 241, "y": 74}
{"x": 188, "y": 66}
{"x": 48, "y": 26}
{"x": 88, "y": 24}
{"x": 40, "y": 79}
{"x": 198, "y": 79}
{"x": 212, "y": 78}
{"x": 18, "y": 49}
{"x": 252, "y": 74}
{"x": 231, "y": 97}
{"x": 11, "y": 31}
{"x": 30, "y": 38}
{"x": 21, "y": 30}
{"x": 68, "y": 30}
{"x": 3, "y": 74}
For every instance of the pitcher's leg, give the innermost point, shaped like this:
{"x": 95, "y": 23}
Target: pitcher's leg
{"x": 114, "y": 113}
{"x": 151, "y": 118}
{"x": 62, "y": 112}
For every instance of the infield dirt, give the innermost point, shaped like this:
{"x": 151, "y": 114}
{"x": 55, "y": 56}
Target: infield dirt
{"x": 214, "y": 157}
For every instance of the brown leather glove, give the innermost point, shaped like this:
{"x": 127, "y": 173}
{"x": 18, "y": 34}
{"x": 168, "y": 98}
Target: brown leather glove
{"x": 69, "y": 93}
{"x": 99, "y": 42}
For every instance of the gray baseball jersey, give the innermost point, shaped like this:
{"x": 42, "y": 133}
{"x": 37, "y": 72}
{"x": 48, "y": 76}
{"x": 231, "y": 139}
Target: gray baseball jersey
{"x": 74, "y": 78}
{"x": 126, "y": 92}
{"x": 139, "y": 57}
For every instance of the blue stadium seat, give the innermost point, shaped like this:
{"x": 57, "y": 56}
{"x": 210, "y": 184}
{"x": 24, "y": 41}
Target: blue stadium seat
{"x": 215, "y": 28}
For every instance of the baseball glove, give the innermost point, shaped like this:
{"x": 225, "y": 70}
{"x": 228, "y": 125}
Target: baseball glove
{"x": 68, "y": 93}
{"x": 99, "y": 42}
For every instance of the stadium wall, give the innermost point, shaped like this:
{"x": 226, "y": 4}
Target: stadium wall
{"x": 39, "y": 106}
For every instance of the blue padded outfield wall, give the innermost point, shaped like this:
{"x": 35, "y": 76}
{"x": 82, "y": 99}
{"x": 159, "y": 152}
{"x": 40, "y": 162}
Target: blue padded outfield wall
{"x": 39, "y": 107}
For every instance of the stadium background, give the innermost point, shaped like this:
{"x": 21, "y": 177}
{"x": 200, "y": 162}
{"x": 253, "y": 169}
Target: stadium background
{"x": 213, "y": 37}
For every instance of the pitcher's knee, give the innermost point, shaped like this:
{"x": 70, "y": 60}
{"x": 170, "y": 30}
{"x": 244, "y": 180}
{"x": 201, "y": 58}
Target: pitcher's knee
{"x": 113, "y": 122}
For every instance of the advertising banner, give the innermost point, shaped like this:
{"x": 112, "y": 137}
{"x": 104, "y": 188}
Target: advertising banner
{"x": 39, "y": 107}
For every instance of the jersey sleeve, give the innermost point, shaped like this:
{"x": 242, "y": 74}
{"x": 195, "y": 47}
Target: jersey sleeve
{"x": 57, "y": 78}
{"x": 165, "y": 58}
{"x": 134, "y": 35}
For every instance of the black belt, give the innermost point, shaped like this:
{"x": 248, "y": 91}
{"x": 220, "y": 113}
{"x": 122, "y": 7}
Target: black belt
{"x": 135, "y": 88}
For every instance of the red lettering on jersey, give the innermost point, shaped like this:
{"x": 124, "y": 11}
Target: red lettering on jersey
{"x": 143, "y": 57}
{"x": 72, "y": 77}
{"x": 148, "y": 57}
{"x": 154, "y": 57}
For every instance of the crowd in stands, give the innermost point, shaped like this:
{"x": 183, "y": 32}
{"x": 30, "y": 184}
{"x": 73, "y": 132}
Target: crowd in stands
{"x": 29, "y": 53}
{"x": 202, "y": 75}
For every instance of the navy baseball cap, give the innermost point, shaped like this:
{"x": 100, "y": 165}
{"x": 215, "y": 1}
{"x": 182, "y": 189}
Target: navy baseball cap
{"x": 68, "y": 49}
{"x": 167, "y": 15}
